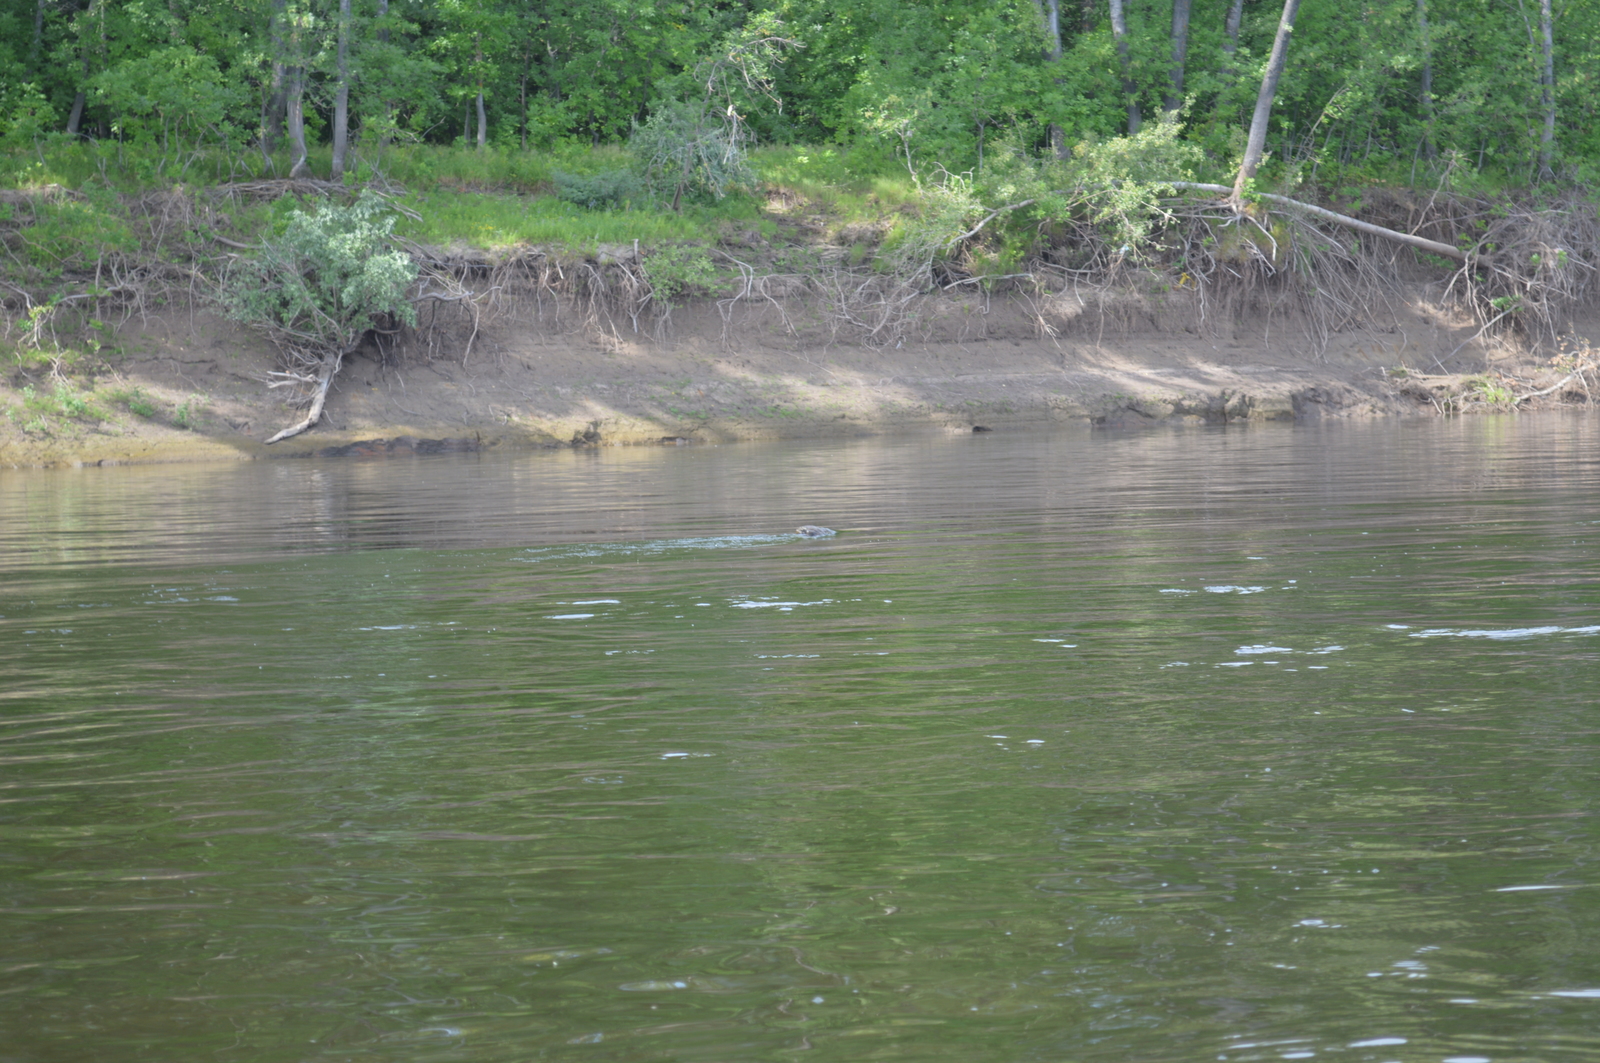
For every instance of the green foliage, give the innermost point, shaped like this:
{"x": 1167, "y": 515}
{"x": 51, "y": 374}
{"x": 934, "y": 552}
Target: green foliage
{"x": 695, "y": 141}
{"x": 678, "y": 270}
{"x": 134, "y": 400}
{"x": 946, "y": 209}
{"x": 1123, "y": 180}
{"x": 1491, "y": 392}
{"x": 75, "y": 232}
{"x": 180, "y": 86}
{"x": 171, "y": 97}
{"x": 609, "y": 190}
{"x": 63, "y": 400}
{"x": 187, "y": 415}
{"x": 684, "y": 149}
{"x": 498, "y": 220}
{"x": 330, "y": 277}
{"x": 26, "y": 116}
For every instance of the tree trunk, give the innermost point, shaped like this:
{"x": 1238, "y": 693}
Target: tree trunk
{"x": 1231, "y": 27}
{"x": 1180, "y": 52}
{"x": 97, "y": 9}
{"x": 388, "y": 107}
{"x": 1256, "y": 145}
{"x": 75, "y": 119}
{"x": 274, "y": 107}
{"x": 1426, "y": 88}
{"x": 1119, "y": 33}
{"x": 483, "y": 122}
{"x": 1050, "y": 11}
{"x": 38, "y": 34}
{"x": 1547, "y": 95}
{"x": 341, "y": 98}
{"x": 296, "y": 78}
{"x": 1420, "y": 242}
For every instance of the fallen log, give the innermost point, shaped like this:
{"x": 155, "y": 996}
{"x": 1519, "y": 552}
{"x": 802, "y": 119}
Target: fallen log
{"x": 1421, "y": 243}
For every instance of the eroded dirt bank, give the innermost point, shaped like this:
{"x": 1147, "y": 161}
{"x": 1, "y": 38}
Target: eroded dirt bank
{"x": 188, "y": 386}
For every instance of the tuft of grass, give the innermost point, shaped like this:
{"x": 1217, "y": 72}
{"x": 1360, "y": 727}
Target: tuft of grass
{"x": 134, "y": 400}
{"x": 187, "y": 415}
{"x": 1491, "y": 392}
{"x": 63, "y": 401}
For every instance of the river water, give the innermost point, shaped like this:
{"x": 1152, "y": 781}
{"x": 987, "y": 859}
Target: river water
{"x": 1237, "y": 744}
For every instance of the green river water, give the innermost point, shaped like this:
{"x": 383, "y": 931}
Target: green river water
{"x": 1204, "y": 744}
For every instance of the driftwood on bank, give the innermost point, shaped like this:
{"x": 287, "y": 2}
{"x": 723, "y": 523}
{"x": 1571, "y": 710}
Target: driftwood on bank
{"x": 1419, "y": 242}
{"x": 330, "y": 367}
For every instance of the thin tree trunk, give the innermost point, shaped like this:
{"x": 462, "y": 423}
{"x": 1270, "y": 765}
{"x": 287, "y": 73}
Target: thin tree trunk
{"x": 1050, "y": 10}
{"x": 1180, "y": 51}
{"x": 388, "y": 106}
{"x": 483, "y": 121}
{"x": 1426, "y": 89}
{"x": 1256, "y": 145}
{"x": 75, "y": 119}
{"x": 1119, "y": 33}
{"x": 38, "y": 34}
{"x": 296, "y": 77}
{"x": 274, "y": 108}
{"x": 1231, "y": 27}
{"x": 97, "y": 10}
{"x": 1547, "y": 95}
{"x": 341, "y": 97}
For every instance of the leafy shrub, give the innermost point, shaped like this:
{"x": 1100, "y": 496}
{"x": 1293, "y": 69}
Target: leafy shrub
{"x": 672, "y": 271}
{"x": 25, "y": 115}
{"x": 64, "y": 400}
{"x": 1125, "y": 178}
{"x": 331, "y": 276}
{"x": 170, "y": 95}
{"x": 610, "y": 190}
{"x": 686, "y": 148}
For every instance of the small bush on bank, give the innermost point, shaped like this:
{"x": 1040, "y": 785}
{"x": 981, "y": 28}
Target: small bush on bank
{"x": 330, "y": 278}
{"x": 608, "y": 190}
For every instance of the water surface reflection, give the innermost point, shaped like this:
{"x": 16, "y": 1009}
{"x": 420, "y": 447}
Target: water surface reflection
{"x": 1265, "y": 744}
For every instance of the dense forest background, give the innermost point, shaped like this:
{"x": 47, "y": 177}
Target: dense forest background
{"x": 1399, "y": 90}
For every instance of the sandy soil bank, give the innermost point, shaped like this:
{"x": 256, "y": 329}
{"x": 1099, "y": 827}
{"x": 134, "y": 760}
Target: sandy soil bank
{"x": 200, "y": 384}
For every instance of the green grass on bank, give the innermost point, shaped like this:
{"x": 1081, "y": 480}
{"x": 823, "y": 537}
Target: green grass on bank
{"x": 491, "y": 199}
{"x": 496, "y": 199}
{"x": 498, "y": 220}
{"x": 861, "y": 197}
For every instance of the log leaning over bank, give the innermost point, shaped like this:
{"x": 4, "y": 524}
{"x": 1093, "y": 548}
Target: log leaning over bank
{"x": 330, "y": 367}
{"x": 1420, "y": 242}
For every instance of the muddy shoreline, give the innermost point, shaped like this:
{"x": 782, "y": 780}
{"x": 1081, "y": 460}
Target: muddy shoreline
{"x": 200, "y": 394}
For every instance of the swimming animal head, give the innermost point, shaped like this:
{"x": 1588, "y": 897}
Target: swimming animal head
{"x": 811, "y": 531}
